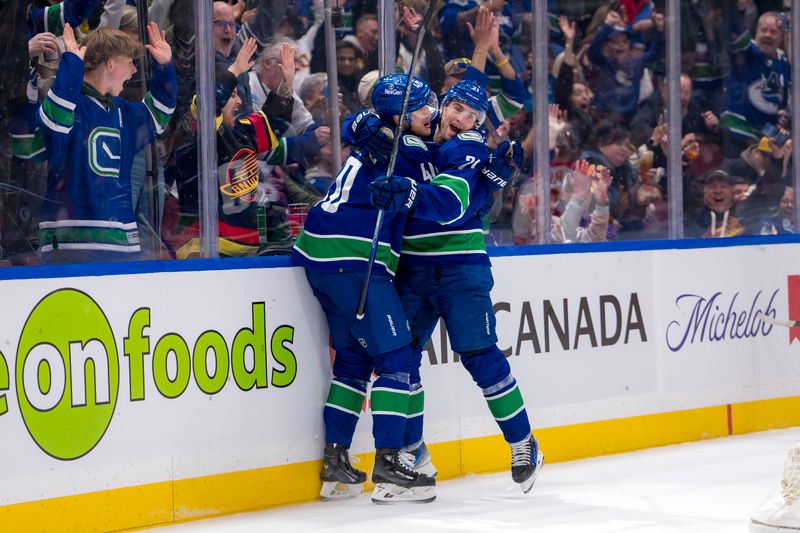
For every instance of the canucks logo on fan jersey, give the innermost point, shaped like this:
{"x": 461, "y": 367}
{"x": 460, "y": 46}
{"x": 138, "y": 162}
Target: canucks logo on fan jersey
{"x": 766, "y": 94}
{"x": 239, "y": 178}
{"x": 105, "y": 149}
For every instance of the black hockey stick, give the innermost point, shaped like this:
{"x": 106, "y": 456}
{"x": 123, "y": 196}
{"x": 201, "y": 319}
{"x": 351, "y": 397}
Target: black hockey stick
{"x": 373, "y": 250}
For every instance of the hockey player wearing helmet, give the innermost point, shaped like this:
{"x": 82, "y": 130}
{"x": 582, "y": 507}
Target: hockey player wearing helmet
{"x": 334, "y": 248}
{"x": 463, "y": 108}
{"x": 372, "y": 131}
{"x": 445, "y": 272}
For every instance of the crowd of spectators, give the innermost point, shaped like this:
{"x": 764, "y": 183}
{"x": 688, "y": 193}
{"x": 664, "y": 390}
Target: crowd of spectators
{"x": 607, "y": 94}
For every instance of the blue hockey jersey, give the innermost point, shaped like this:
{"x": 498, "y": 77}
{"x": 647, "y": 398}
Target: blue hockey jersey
{"x": 443, "y": 228}
{"x": 52, "y": 18}
{"x": 338, "y": 231}
{"x": 757, "y": 88}
{"x": 91, "y": 142}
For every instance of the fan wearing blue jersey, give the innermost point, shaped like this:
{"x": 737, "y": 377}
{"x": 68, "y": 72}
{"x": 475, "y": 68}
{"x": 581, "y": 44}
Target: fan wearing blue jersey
{"x": 758, "y": 86}
{"x": 334, "y": 248}
{"x": 445, "y": 271}
{"x": 92, "y": 136}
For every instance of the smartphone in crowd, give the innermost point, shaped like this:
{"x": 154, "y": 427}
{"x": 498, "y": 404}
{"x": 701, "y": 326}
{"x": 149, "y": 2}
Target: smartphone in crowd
{"x": 773, "y": 133}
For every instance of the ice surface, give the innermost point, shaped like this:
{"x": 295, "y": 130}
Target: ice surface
{"x": 711, "y": 486}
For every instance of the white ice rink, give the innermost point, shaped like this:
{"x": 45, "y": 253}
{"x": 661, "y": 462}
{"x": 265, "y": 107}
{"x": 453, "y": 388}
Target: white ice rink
{"x": 703, "y": 487}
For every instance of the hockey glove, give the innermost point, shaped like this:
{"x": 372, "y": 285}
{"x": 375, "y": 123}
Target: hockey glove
{"x": 372, "y": 137}
{"x": 394, "y": 193}
{"x": 503, "y": 165}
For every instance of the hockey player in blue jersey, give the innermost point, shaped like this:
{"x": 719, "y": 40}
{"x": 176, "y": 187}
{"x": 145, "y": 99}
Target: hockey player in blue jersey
{"x": 92, "y": 136}
{"x": 445, "y": 272}
{"x": 333, "y": 249}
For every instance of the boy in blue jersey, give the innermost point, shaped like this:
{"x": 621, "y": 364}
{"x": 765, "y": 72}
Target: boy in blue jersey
{"x": 92, "y": 136}
{"x": 445, "y": 272}
{"x": 333, "y": 249}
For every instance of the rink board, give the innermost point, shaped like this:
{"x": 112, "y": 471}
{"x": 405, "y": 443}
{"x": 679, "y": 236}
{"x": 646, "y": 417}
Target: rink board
{"x": 136, "y": 399}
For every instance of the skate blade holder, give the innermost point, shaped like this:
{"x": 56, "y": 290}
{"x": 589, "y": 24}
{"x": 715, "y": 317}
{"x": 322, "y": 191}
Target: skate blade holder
{"x": 336, "y": 490}
{"x": 388, "y": 494}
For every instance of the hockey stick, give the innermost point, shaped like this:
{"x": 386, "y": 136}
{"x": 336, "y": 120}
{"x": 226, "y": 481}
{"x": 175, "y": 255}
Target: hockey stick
{"x": 785, "y": 323}
{"x": 512, "y": 181}
{"x": 373, "y": 250}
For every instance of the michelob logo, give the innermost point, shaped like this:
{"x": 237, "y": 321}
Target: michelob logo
{"x": 67, "y": 374}
{"x": 67, "y": 369}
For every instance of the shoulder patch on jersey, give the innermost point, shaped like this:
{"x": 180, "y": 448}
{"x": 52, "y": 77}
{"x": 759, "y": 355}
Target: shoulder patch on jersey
{"x": 413, "y": 140}
{"x": 471, "y": 136}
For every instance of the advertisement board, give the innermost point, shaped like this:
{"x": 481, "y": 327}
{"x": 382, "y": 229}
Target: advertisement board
{"x": 173, "y": 380}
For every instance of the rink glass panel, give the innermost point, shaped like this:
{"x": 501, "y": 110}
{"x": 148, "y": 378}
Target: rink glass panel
{"x": 714, "y": 37}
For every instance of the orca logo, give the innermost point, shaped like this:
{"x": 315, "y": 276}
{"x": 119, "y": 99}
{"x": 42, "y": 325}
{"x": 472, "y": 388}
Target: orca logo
{"x": 105, "y": 152}
{"x": 766, "y": 94}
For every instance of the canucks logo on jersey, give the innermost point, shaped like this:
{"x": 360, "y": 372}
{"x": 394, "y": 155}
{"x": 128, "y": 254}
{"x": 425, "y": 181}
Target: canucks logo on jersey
{"x": 239, "y": 178}
{"x": 766, "y": 94}
{"x": 105, "y": 149}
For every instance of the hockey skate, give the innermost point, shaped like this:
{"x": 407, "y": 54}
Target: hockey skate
{"x": 776, "y": 515}
{"x": 523, "y": 470}
{"x": 340, "y": 480}
{"x": 396, "y": 482}
{"x": 782, "y": 511}
{"x": 420, "y": 460}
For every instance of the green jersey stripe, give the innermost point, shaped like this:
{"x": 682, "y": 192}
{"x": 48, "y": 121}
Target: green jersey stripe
{"x": 54, "y": 19}
{"x": 277, "y": 156}
{"x": 94, "y": 235}
{"x": 160, "y": 113}
{"x": 56, "y": 113}
{"x": 27, "y": 146}
{"x": 341, "y": 247}
{"x": 459, "y": 187}
{"x": 447, "y": 243}
{"x": 506, "y": 405}
{"x": 741, "y": 43}
{"x": 738, "y": 124}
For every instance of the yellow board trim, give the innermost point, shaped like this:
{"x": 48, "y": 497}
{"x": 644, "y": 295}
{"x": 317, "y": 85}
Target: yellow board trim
{"x": 765, "y": 414}
{"x": 203, "y": 497}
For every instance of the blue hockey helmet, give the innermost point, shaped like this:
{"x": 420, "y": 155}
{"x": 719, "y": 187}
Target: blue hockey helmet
{"x": 472, "y": 94}
{"x": 387, "y": 97}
